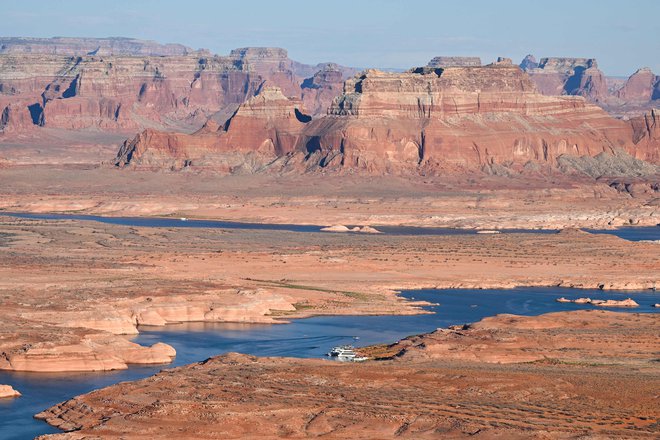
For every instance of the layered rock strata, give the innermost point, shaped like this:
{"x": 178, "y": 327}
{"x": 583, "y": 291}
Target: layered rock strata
{"x": 426, "y": 120}
{"x": 129, "y": 85}
{"x": 264, "y": 128}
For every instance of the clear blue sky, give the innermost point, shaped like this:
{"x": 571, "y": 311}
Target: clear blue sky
{"x": 622, "y": 35}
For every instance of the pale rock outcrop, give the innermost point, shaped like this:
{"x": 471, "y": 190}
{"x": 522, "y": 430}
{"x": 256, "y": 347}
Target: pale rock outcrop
{"x": 336, "y": 228}
{"x": 358, "y": 229}
{"x": 112, "y": 322}
{"x": 254, "y": 308}
{"x": 629, "y": 302}
{"x": 95, "y": 352}
{"x": 7, "y": 391}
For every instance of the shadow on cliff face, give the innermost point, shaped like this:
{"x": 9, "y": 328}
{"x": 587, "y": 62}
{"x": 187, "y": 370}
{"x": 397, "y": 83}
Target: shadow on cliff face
{"x": 36, "y": 113}
{"x": 313, "y": 145}
{"x": 301, "y": 117}
{"x": 572, "y": 85}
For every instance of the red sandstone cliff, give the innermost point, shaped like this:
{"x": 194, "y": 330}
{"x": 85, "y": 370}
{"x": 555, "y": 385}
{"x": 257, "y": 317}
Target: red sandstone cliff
{"x": 128, "y": 85}
{"x": 427, "y": 120}
{"x": 267, "y": 126}
{"x": 646, "y": 136}
{"x": 642, "y": 86}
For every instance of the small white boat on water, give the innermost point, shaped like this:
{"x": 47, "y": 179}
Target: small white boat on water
{"x": 184, "y": 219}
{"x": 345, "y": 353}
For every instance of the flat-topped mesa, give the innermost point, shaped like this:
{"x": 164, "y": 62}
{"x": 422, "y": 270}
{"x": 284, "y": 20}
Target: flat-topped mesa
{"x": 427, "y": 92}
{"x": 457, "y": 118}
{"x": 641, "y": 86}
{"x": 266, "y": 126}
{"x": 570, "y": 76}
{"x": 90, "y": 46}
{"x": 443, "y": 61}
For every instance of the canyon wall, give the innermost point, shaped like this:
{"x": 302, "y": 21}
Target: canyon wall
{"x": 129, "y": 85}
{"x": 427, "y": 120}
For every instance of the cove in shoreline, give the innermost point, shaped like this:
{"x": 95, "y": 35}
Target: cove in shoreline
{"x": 303, "y": 338}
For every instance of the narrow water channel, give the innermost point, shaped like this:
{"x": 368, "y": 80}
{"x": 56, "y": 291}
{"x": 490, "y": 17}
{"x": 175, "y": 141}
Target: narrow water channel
{"x": 303, "y": 338}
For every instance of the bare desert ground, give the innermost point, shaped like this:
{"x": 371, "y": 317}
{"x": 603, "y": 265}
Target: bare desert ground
{"x": 564, "y": 394}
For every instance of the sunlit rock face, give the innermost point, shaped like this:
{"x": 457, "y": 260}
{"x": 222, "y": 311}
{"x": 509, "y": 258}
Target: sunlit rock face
{"x": 428, "y": 120}
{"x": 129, "y": 85}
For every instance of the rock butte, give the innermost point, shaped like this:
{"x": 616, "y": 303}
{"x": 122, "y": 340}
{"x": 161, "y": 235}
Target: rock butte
{"x": 427, "y": 120}
{"x": 447, "y": 384}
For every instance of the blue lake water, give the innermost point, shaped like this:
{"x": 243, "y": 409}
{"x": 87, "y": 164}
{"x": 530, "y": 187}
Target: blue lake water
{"x": 303, "y": 338}
{"x": 632, "y": 233}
